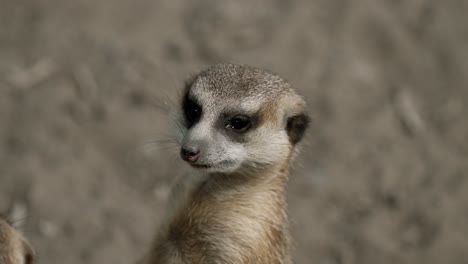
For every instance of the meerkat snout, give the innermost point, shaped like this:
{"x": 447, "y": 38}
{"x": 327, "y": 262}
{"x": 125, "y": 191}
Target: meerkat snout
{"x": 239, "y": 117}
{"x": 190, "y": 153}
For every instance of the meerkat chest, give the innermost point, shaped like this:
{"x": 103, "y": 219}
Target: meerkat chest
{"x": 234, "y": 227}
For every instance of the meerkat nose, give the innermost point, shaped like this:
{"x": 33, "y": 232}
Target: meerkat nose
{"x": 190, "y": 154}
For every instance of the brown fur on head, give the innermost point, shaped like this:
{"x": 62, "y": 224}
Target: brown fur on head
{"x": 240, "y": 118}
{"x": 14, "y": 248}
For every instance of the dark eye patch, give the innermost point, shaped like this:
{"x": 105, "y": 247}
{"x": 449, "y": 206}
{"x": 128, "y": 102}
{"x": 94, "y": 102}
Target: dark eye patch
{"x": 237, "y": 125}
{"x": 192, "y": 110}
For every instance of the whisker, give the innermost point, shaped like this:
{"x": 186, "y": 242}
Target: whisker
{"x": 159, "y": 105}
{"x": 149, "y": 149}
{"x": 151, "y": 145}
{"x": 177, "y": 124}
{"x": 161, "y": 141}
{"x": 173, "y": 159}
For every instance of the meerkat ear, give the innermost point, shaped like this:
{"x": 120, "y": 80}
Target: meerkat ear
{"x": 296, "y": 127}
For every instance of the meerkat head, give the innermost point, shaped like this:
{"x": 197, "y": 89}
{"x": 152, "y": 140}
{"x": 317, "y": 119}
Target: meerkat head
{"x": 239, "y": 118}
{"x": 14, "y": 248}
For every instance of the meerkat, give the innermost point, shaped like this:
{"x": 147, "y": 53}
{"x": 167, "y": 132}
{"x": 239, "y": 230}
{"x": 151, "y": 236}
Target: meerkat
{"x": 241, "y": 128}
{"x": 14, "y": 248}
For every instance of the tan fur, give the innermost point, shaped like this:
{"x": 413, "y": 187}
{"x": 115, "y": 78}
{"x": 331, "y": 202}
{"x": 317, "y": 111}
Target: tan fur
{"x": 236, "y": 216}
{"x": 14, "y": 249}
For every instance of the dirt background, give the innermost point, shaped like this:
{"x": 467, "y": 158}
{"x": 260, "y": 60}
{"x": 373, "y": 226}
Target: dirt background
{"x": 383, "y": 178}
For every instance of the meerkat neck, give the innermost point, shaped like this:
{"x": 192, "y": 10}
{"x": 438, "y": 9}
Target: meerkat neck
{"x": 246, "y": 181}
{"x": 269, "y": 182}
{"x": 227, "y": 218}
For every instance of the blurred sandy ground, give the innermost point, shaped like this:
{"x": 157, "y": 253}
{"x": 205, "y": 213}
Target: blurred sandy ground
{"x": 383, "y": 178}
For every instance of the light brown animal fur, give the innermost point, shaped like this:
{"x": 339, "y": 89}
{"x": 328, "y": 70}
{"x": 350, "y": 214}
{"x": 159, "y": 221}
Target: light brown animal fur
{"x": 236, "y": 216}
{"x": 14, "y": 248}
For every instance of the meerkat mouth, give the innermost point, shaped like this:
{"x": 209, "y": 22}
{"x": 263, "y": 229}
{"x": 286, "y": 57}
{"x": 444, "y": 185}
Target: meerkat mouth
{"x": 200, "y": 166}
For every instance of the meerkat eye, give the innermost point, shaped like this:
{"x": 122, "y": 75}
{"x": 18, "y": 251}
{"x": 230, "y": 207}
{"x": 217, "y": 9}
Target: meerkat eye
{"x": 192, "y": 111}
{"x": 239, "y": 123}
